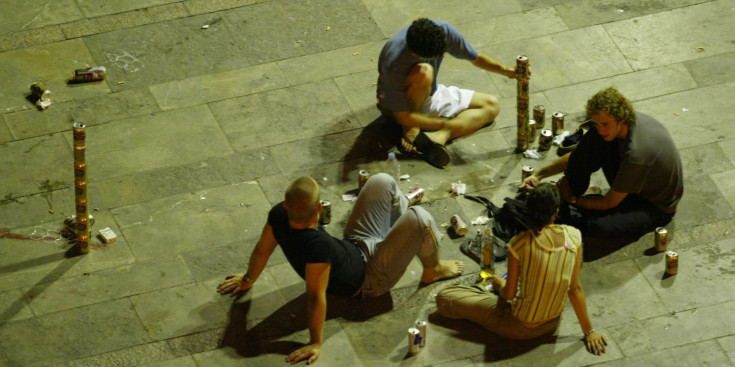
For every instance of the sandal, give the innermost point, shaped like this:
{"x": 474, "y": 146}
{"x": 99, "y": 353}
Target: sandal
{"x": 571, "y": 141}
{"x": 436, "y": 154}
{"x": 403, "y": 150}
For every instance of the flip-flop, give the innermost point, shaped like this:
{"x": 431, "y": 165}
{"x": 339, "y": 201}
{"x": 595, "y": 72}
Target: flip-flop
{"x": 399, "y": 146}
{"x": 436, "y": 154}
{"x": 471, "y": 248}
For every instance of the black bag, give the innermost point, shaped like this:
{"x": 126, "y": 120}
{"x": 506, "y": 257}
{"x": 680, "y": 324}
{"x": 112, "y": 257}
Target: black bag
{"x": 509, "y": 220}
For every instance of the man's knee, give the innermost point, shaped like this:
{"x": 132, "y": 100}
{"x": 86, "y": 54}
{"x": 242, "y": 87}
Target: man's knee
{"x": 380, "y": 179}
{"x": 421, "y": 75}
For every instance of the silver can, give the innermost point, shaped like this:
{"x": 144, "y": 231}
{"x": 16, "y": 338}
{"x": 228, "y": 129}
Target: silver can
{"x": 325, "y": 216}
{"x": 660, "y": 239}
{"x": 557, "y": 123}
{"x": 414, "y": 340}
{"x": 545, "y": 139}
{"x": 538, "y": 115}
{"x": 527, "y": 171}
{"x": 421, "y": 326}
{"x": 363, "y": 177}
{"x": 531, "y": 130}
{"x": 459, "y": 226}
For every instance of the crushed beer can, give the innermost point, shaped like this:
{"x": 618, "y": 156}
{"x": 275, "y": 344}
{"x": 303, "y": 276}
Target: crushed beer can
{"x": 92, "y": 74}
{"x": 459, "y": 226}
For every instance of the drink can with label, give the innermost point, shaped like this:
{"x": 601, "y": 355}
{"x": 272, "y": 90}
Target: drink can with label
{"x": 459, "y": 226}
{"x": 672, "y": 263}
{"x": 421, "y": 326}
{"x": 414, "y": 340}
{"x": 660, "y": 239}
{"x": 325, "y": 216}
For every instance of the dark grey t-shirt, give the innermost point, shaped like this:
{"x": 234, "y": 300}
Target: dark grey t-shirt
{"x": 396, "y": 61}
{"x": 650, "y": 165}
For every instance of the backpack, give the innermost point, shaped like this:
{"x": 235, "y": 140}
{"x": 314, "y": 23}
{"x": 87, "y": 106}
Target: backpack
{"x": 509, "y": 220}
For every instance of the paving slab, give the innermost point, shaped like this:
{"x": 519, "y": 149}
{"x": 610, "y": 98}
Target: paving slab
{"x": 702, "y": 202}
{"x": 359, "y": 89}
{"x": 705, "y": 119}
{"x": 729, "y": 148}
{"x": 676, "y": 35}
{"x": 391, "y": 16}
{"x": 635, "y": 86}
{"x": 725, "y": 182}
{"x": 219, "y": 86}
{"x": 676, "y": 329}
{"x": 333, "y": 63}
{"x": 14, "y": 307}
{"x": 589, "y": 13}
{"x": 284, "y": 115}
{"x": 561, "y": 59}
{"x": 712, "y": 70}
{"x": 92, "y": 111}
{"x": 94, "y": 8}
{"x": 18, "y": 16}
{"x": 705, "y": 160}
{"x": 23, "y": 343}
{"x": 178, "y": 311}
{"x": 187, "y": 361}
{"x": 46, "y": 163}
{"x": 484, "y": 33}
{"x": 159, "y": 143}
{"x": 728, "y": 344}
{"x": 54, "y": 65}
{"x": 97, "y": 287}
{"x": 193, "y": 221}
{"x": 706, "y": 353}
{"x": 128, "y": 19}
{"x": 708, "y": 263}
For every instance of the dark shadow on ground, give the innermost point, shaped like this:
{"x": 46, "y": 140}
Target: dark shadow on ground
{"x": 259, "y": 337}
{"x": 497, "y": 347}
{"x": 596, "y": 248}
{"x": 373, "y": 143}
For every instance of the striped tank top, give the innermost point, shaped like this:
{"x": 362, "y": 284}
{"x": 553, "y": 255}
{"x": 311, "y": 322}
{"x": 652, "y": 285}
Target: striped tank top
{"x": 546, "y": 267}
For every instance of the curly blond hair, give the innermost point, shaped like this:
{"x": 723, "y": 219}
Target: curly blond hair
{"x": 615, "y": 104}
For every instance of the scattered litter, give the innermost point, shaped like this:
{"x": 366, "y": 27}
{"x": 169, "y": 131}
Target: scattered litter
{"x": 43, "y": 103}
{"x": 93, "y": 74}
{"x": 349, "y": 197}
{"x": 560, "y": 138}
{"x": 700, "y": 49}
{"x": 404, "y": 177}
{"x": 375, "y": 83}
{"x": 51, "y": 211}
{"x": 458, "y": 188}
{"x": 684, "y": 110}
{"x": 206, "y": 26}
{"x": 531, "y": 153}
{"x": 349, "y": 121}
{"x": 121, "y": 82}
{"x": 621, "y": 10}
{"x": 480, "y": 220}
{"x": 324, "y": 178}
{"x": 85, "y": 273}
{"x": 479, "y": 12}
{"x": 106, "y": 235}
{"x": 444, "y": 225}
{"x": 676, "y": 114}
{"x": 372, "y": 59}
{"x": 355, "y": 53}
{"x": 96, "y": 209}
{"x": 298, "y": 41}
{"x": 329, "y": 28}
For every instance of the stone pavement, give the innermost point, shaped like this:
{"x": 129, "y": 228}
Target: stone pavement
{"x": 195, "y": 133}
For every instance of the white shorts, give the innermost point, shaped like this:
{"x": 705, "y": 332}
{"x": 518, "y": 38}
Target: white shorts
{"x": 447, "y": 101}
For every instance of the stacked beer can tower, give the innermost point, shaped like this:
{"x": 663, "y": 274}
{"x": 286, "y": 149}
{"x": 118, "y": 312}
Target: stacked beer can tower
{"x": 80, "y": 188}
{"x": 523, "y": 137}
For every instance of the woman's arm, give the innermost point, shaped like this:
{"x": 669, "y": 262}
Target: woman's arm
{"x": 594, "y": 341}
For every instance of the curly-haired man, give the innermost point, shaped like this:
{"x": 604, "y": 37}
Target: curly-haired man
{"x": 640, "y": 163}
{"x": 430, "y": 113}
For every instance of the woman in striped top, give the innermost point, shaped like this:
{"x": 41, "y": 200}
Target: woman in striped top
{"x": 543, "y": 266}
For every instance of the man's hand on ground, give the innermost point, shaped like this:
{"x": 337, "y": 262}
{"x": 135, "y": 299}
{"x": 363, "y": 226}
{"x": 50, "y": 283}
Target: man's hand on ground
{"x": 310, "y": 351}
{"x": 233, "y": 284}
{"x": 530, "y": 183}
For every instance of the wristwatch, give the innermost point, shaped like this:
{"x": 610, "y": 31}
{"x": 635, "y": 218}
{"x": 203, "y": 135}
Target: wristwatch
{"x": 246, "y": 279}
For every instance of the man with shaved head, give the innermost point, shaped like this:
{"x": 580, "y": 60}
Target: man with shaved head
{"x": 382, "y": 236}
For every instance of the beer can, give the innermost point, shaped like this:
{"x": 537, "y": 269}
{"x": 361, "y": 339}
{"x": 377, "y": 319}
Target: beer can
{"x": 545, "y": 139}
{"x": 39, "y": 90}
{"x": 660, "y": 239}
{"x": 531, "y": 130}
{"x": 522, "y": 133}
{"x": 92, "y": 74}
{"x": 672, "y": 263}
{"x": 364, "y": 175}
{"x": 325, "y": 216}
{"x": 521, "y": 67}
{"x": 538, "y": 116}
{"x": 414, "y": 340}
{"x": 421, "y": 326}
{"x": 522, "y": 106}
{"x": 557, "y": 123}
{"x": 522, "y": 89}
{"x": 459, "y": 226}
{"x": 527, "y": 171}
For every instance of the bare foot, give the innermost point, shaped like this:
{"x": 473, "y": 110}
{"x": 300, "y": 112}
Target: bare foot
{"x": 444, "y": 270}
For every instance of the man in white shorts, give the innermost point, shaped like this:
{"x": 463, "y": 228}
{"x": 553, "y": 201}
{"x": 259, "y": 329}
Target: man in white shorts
{"x": 430, "y": 113}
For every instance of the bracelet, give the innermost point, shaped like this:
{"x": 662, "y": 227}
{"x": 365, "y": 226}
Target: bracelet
{"x": 246, "y": 279}
{"x": 589, "y": 332}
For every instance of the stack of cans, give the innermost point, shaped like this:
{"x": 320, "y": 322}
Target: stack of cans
{"x": 522, "y": 139}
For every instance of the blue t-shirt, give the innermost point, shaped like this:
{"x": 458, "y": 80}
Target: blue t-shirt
{"x": 396, "y": 61}
{"x": 309, "y": 245}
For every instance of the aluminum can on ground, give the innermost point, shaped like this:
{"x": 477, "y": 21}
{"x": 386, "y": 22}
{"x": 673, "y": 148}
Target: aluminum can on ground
{"x": 325, "y": 216}
{"x": 538, "y": 116}
{"x": 89, "y": 74}
{"x": 421, "y": 326}
{"x": 527, "y": 171}
{"x": 557, "y": 123}
{"x": 364, "y": 175}
{"x": 545, "y": 139}
{"x": 414, "y": 340}
{"x": 39, "y": 90}
{"x": 660, "y": 239}
{"x": 672, "y": 263}
{"x": 531, "y": 130}
{"x": 459, "y": 226}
